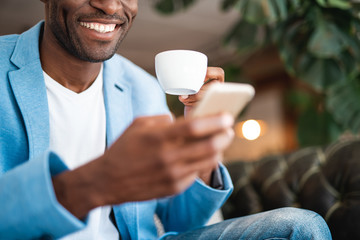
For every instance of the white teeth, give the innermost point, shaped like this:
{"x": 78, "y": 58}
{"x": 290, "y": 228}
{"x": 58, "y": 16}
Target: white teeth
{"x": 101, "y": 28}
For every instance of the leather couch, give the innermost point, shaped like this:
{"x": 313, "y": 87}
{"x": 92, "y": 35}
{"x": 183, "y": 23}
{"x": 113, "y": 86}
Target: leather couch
{"x": 323, "y": 179}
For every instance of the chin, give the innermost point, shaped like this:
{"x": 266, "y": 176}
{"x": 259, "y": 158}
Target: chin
{"x": 95, "y": 56}
{"x": 99, "y": 54}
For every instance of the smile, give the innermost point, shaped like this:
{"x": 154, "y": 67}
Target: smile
{"x": 99, "y": 27}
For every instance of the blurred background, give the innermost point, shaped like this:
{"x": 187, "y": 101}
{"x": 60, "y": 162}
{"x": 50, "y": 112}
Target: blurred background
{"x": 301, "y": 57}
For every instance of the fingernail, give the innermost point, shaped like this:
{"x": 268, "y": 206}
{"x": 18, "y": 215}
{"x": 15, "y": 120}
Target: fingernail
{"x": 184, "y": 96}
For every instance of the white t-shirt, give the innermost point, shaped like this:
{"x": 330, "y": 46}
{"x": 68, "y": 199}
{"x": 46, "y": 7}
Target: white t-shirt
{"x": 78, "y": 135}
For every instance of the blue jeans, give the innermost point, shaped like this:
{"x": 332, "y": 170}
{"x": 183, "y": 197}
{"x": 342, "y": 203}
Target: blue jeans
{"x": 283, "y": 223}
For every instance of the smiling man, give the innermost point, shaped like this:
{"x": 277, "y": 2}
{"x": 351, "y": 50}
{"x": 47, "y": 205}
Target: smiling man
{"x": 88, "y": 148}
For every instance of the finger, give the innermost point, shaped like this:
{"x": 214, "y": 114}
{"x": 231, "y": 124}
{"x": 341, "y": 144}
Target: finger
{"x": 215, "y": 73}
{"x": 168, "y": 188}
{"x": 174, "y": 159}
{"x": 184, "y": 175}
{"x": 203, "y": 148}
{"x": 200, "y": 127}
{"x": 175, "y": 180}
{"x": 189, "y": 100}
{"x": 158, "y": 187}
{"x": 202, "y": 166}
{"x": 151, "y": 121}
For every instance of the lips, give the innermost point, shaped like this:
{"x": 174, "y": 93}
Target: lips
{"x": 99, "y": 27}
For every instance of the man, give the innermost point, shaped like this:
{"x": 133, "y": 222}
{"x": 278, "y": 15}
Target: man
{"x": 88, "y": 149}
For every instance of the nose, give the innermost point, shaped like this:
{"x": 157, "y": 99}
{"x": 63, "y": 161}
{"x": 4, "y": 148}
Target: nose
{"x": 109, "y": 7}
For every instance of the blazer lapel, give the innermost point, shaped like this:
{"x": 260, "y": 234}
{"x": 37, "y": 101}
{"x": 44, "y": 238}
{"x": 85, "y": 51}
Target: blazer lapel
{"x": 30, "y": 93}
{"x": 117, "y": 97}
{"x": 29, "y": 89}
{"x": 119, "y": 116}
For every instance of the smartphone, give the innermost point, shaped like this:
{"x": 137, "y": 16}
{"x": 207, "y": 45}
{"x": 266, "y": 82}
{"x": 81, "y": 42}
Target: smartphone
{"x": 224, "y": 97}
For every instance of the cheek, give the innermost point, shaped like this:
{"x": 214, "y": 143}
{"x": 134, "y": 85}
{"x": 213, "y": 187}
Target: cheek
{"x": 131, "y": 6}
{"x": 61, "y": 20}
{"x": 57, "y": 14}
{"x": 64, "y": 10}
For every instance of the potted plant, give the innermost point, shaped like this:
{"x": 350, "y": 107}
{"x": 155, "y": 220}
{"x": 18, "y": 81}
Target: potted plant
{"x": 318, "y": 42}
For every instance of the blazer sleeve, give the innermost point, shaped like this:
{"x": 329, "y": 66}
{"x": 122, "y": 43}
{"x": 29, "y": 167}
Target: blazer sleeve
{"x": 194, "y": 207}
{"x": 29, "y": 208}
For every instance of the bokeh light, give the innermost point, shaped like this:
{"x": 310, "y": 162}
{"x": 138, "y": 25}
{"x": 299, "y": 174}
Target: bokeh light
{"x": 251, "y": 129}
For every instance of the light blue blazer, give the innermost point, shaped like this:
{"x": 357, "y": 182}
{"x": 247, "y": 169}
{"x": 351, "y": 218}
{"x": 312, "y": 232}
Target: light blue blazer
{"x": 29, "y": 208}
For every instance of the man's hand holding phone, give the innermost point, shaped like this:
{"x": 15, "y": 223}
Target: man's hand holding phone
{"x": 216, "y": 97}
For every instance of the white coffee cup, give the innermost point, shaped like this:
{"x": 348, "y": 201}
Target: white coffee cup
{"x": 181, "y": 72}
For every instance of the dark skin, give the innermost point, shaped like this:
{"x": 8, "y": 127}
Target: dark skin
{"x": 78, "y": 36}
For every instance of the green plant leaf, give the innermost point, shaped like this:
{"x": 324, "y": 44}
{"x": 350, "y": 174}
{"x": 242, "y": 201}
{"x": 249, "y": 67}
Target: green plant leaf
{"x": 317, "y": 127}
{"x": 299, "y": 100}
{"x": 343, "y": 102}
{"x": 319, "y": 73}
{"x": 172, "y": 6}
{"x": 326, "y": 41}
{"x": 343, "y": 4}
{"x": 348, "y": 62}
{"x": 352, "y": 40}
{"x": 281, "y": 8}
{"x": 227, "y": 4}
{"x": 252, "y": 11}
{"x": 295, "y": 3}
{"x": 262, "y": 11}
{"x": 165, "y": 6}
{"x": 243, "y": 35}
